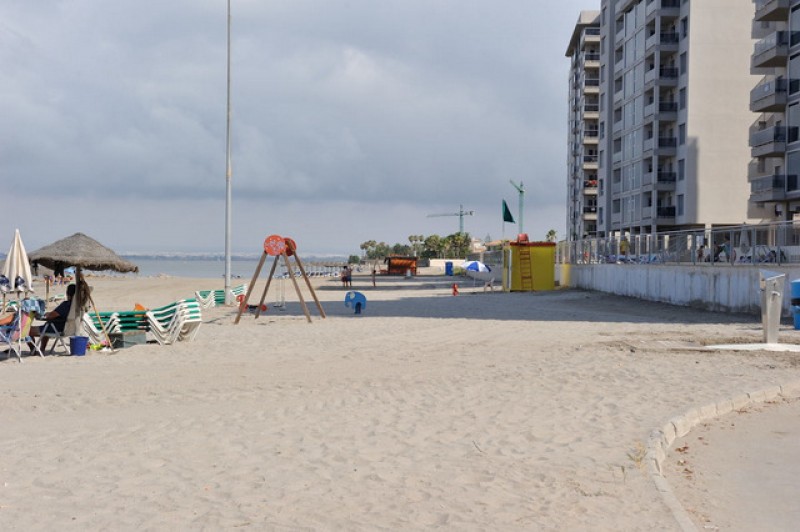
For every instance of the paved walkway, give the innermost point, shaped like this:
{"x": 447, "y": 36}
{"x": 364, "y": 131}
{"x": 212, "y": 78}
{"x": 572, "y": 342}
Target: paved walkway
{"x": 741, "y": 471}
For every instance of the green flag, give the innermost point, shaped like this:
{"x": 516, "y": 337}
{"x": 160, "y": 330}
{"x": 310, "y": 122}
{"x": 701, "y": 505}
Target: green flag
{"x": 507, "y": 213}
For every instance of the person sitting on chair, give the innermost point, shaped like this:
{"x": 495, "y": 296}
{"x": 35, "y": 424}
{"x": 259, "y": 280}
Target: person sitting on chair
{"x": 56, "y": 318}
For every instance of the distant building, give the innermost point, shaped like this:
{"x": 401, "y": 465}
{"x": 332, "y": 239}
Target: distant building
{"x": 774, "y": 170}
{"x": 583, "y": 131}
{"x": 672, "y": 150}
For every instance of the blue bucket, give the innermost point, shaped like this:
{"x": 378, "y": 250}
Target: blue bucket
{"x": 77, "y": 345}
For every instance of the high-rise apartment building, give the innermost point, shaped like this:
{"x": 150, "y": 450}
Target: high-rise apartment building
{"x": 774, "y": 170}
{"x": 584, "y": 119}
{"x": 673, "y": 116}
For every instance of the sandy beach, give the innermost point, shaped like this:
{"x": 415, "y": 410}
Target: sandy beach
{"x": 486, "y": 411}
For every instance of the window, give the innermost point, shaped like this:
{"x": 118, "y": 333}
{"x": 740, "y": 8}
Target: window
{"x": 682, "y": 134}
{"x": 680, "y": 204}
{"x": 684, "y": 27}
{"x": 682, "y": 99}
{"x": 683, "y": 63}
{"x": 681, "y": 169}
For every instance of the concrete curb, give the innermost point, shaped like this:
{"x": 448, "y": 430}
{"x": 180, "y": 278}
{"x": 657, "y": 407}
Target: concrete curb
{"x": 660, "y": 440}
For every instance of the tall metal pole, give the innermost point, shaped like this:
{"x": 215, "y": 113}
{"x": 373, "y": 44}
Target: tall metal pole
{"x": 228, "y": 174}
{"x": 521, "y": 189}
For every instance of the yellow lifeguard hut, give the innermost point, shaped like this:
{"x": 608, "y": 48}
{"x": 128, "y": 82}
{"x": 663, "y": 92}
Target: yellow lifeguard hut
{"x": 529, "y": 266}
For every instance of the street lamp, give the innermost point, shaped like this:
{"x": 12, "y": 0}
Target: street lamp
{"x": 228, "y": 174}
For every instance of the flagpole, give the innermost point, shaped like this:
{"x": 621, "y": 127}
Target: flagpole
{"x": 228, "y": 174}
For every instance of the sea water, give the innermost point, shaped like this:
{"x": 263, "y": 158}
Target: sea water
{"x": 212, "y": 268}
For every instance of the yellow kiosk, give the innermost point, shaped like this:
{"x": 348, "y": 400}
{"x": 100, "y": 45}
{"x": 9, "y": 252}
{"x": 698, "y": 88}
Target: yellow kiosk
{"x": 529, "y": 266}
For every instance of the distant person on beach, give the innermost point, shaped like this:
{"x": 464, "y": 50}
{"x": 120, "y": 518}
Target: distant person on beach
{"x": 373, "y": 277}
{"x": 348, "y": 276}
{"x": 343, "y": 277}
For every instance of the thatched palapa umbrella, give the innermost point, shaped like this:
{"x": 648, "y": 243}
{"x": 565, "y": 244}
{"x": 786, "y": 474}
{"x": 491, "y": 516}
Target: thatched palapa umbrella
{"x": 86, "y": 253}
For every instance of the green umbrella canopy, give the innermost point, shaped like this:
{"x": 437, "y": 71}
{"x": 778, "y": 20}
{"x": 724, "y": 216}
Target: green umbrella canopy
{"x": 83, "y": 252}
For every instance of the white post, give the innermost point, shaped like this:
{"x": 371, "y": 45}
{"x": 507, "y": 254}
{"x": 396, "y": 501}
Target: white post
{"x": 228, "y": 174}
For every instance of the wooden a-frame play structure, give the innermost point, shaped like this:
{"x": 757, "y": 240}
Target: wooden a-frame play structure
{"x": 278, "y": 246}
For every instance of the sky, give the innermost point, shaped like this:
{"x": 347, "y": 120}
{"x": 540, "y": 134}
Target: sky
{"x": 352, "y": 120}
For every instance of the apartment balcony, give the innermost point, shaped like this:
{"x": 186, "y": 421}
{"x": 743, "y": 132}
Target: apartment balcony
{"x": 648, "y": 145}
{"x": 771, "y": 142}
{"x": 769, "y": 95}
{"x": 664, "y": 76}
{"x": 668, "y": 9}
{"x": 591, "y": 60}
{"x": 667, "y": 146}
{"x": 772, "y": 10}
{"x": 667, "y": 111}
{"x": 772, "y": 50}
{"x": 591, "y": 111}
{"x": 665, "y": 215}
{"x": 590, "y": 136}
{"x": 590, "y": 35}
{"x": 773, "y": 188}
{"x": 763, "y": 167}
{"x": 666, "y": 41}
{"x": 666, "y": 181}
{"x": 590, "y": 162}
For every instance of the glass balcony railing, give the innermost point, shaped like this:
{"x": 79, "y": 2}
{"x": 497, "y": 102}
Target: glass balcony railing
{"x": 665, "y": 212}
{"x": 667, "y": 107}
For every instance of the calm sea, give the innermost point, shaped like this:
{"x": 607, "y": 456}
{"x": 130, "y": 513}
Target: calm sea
{"x": 209, "y": 269}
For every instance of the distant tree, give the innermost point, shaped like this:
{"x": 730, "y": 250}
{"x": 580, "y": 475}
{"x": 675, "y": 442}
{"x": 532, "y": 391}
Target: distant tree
{"x": 401, "y": 249}
{"x": 354, "y": 259}
{"x": 432, "y": 247}
{"x": 382, "y": 250}
{"x": 457, "y": 245}
{"x": 416, "y": 243}
{"x": 551, "y": 235}
{"x": 368, "y": 248}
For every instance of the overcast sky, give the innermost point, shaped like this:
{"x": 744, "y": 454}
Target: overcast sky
{"x": 352, "y": 120}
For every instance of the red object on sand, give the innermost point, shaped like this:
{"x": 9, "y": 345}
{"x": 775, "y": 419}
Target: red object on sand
{"x": 455, "y": 289}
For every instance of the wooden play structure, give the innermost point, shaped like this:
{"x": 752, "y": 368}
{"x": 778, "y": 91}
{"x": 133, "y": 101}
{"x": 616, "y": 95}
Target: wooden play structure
{"x": 278, "y": 246}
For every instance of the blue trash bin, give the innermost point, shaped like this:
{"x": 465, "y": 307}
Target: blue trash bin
{"x": 795, "y": 302}
{"x": 448, "y": 268}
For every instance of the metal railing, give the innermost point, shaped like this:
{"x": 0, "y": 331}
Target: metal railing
{"x": 773, "y": 243}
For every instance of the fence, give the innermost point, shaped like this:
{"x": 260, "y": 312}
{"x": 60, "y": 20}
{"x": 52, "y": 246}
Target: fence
{"x": 773, "y": 243}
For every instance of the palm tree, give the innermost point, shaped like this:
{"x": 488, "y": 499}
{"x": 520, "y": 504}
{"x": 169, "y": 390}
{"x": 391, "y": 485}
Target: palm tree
{"x": 551, "y": 235}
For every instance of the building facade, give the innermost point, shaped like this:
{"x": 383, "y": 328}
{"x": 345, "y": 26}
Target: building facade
{"x": 774, "y": 140}
{"x": 583, "y": 132}
{"x": 673, "y": 119}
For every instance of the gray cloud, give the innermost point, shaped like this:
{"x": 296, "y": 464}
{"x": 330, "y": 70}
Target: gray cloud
{"x": 386, "y": 107}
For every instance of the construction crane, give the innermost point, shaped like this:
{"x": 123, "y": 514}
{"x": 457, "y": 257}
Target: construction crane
{"x": 461, "y": 213}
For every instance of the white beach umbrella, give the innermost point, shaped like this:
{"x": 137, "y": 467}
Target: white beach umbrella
{"x": 17, "y": 269}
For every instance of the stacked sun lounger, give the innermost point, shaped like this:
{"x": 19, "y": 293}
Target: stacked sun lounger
{"x": 177, "y": 321}
{"x": 213, "y": 298}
